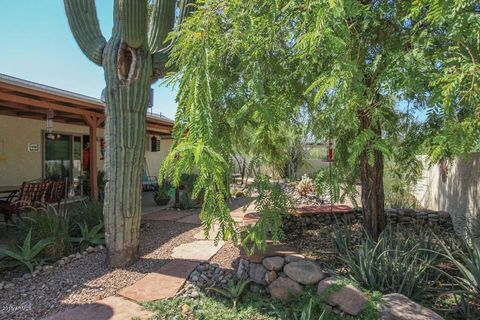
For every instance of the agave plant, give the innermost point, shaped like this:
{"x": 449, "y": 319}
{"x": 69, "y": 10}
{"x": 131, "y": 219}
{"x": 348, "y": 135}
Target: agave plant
{"x": 26, "y": 255}
{"x": 88, "y": 237}
{"x": 305, "y": 314}
{"x": 234, "y": 290}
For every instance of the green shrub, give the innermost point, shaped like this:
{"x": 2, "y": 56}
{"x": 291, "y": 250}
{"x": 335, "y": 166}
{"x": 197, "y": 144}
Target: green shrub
{"x": 26, "y": 255}
{"x": 186, "y": 201}
{"x": 88, "y": 236}
{"x": 48, "y": 223}
{"x": 401, "y": 262}
{"x": 90, "y": 212}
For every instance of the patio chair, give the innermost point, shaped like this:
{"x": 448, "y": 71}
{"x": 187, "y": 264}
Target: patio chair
{"x": 30, "y": 195}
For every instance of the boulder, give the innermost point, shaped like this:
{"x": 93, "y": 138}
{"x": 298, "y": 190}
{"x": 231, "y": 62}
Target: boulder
{"x": 304, "y": 272}
{"x": 257, "y": 273}
{"x": 293, "y": 258}
{"x": 347, "y": 298}
{"x": 396, "y": 306}
{"x": 284, "y": 288}
{"x": 273, "y": 263}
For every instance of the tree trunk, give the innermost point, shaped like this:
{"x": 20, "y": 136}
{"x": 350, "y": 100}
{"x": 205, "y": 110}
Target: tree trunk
{"x": 372, "y": 194}
{"x": 128, "y": 74}
{"x": 371, "y": 177}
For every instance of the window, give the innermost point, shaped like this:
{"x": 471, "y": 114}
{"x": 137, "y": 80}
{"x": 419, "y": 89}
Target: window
{"x": 155, "y": 144}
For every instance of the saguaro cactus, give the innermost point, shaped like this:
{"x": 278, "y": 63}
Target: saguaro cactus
{"x": 132, "y": 59}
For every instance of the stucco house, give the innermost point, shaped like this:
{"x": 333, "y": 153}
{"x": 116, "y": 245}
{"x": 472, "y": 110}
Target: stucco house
{"x": 46, "y": 132}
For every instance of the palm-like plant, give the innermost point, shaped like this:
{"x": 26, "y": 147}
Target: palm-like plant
{"x": 234, "y": 290}
{"x": 26, "y": 255}
{"x": 89, "y": 237}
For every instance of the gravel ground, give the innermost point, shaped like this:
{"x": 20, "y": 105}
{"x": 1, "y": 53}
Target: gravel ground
{"x": 227, "y": 256}
{"x": 88, "y": 279}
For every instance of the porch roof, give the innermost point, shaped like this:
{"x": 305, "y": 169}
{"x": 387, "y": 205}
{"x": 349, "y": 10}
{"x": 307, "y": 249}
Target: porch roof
{"x": 26, "y": 99}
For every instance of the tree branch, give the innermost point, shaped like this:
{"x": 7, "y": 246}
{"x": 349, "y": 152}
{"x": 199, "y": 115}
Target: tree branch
{"x": 83, "y": 21}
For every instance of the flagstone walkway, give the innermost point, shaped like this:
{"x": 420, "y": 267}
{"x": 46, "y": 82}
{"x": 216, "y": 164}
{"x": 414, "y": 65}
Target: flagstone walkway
{"x": 163, "y": 283}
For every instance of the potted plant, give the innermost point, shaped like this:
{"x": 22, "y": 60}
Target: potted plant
{"x": 161, "y": 196}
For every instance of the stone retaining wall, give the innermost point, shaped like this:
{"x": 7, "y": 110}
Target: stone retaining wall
{"x": 400, "y": 215}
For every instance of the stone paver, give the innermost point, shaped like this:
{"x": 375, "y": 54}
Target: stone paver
{"x": 111, "y": 308}
{"x": 193, "y": 219}
{"x": 168, "y": 215}
{"x": 212, "y": 233}
{"x": 162, "y": 284}
{"x": 201, "y": 250}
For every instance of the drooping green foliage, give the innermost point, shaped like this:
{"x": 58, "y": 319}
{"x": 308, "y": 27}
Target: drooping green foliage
{"x": 363, "y": 72}
{"x": 447, "y": 47}
{"x": 272, "y": 203}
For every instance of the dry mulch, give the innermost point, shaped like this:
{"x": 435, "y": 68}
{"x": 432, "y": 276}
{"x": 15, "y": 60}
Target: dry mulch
{"x": 89, "y": 279}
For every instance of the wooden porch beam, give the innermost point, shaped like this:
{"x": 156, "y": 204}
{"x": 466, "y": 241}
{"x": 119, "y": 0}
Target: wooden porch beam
{"x": 92, "y": 124}
{"x": 45, "y": 105}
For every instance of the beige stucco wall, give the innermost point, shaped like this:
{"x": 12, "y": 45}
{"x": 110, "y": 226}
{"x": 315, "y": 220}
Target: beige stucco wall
{"x": 154, "y": 159}
{"x": 458, "y": 194}
{"x": 17, "y": 164}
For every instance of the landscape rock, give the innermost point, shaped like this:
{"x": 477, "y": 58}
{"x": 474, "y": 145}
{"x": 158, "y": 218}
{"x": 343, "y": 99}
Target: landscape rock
{"x": 270, "y": 276}
{"x": 273, "y": 263}
{"x": 347, "y": 298}
{"x": 242, "y": 270}
{"x": 396, "y": 306}
{"x": 284, "y": 288}
{"x": 304, "y": 272}
{"x": 257, "y": 273}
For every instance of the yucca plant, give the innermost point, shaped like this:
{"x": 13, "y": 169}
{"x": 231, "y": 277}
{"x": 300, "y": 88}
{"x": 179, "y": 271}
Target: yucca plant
{"x": 27, "y": 255}
{"x": 88, "y": 236}
{"x": 401, "y": 262}
{"x": 234, "y": 290}
{"x": 467, "y": 262}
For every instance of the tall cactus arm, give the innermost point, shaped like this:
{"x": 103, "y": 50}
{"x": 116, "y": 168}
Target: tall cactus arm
{"x": 160, "y": 57}
{"x": 161, "y": 23}
{"x": 133, "y": 21}
{"x": 159, "y": 62}
{"x": 83, "y": 21}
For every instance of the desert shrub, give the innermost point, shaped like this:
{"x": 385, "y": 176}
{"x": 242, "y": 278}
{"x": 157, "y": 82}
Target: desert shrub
{"x": 48, "y": 223}
{"x": 399, "y": 182}
{"x": 402, "y": 262}
{"x": 90, "y": 212}
{"x": 326, "y": 183}
{"x": 305, "y": 186}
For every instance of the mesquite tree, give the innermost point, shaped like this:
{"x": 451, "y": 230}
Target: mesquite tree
{"x": 133, "y": 58}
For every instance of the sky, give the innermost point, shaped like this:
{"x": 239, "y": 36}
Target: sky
{"x": 37, "y": 45}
